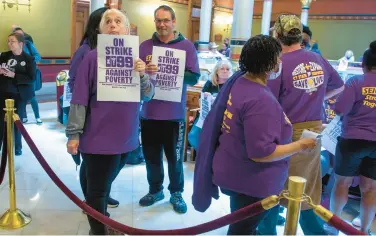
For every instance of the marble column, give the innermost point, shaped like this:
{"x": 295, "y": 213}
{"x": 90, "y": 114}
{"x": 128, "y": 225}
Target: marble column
{"x": 96, "y": 4}
{"x": 266, "y": 17}
{"x": 306, "y": 4}
{"x": 241, "y": 27}
{"x": 205, "y": 23}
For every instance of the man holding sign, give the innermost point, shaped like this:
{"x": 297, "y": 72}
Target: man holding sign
{"x": 172, "y": 61}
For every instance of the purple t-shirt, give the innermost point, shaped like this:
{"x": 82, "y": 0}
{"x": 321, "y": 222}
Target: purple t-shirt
{"x": 75, "y": 63}
{"x": 165, "y": 110}
{"x": 357, "y": 105}
{"x": 301, "y": 88}
{"x": 253, "y": 125}
{"x": 110, "y": 127}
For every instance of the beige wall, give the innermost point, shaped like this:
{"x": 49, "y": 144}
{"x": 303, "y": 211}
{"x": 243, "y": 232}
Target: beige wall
{"x": 141, "y": 13}
{"x": 48, "y": 23}
{"x": 336, "y": 36}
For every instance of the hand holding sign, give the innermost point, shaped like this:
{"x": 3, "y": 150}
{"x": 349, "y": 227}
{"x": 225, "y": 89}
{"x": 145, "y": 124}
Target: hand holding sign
{"x": 307, "y": 144}
{"x": 151, "y": 69}
{"x": 140, "y": 66}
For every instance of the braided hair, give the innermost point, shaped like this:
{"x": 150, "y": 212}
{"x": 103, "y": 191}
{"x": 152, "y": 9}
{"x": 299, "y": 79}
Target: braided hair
{"x": 260, "y": 54}
{"x": 369, "y": 57}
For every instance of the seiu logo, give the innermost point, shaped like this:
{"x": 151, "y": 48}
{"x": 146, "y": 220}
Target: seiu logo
{"x": 148, "y": 58}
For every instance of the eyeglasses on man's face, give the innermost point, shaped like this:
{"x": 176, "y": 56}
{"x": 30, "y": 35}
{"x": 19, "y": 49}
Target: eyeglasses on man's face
{"x": 160, "y": 21}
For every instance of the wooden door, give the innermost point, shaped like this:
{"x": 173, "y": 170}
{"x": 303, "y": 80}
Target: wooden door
{"x": 195, "y": 29}
{"x": 80, "y": 16}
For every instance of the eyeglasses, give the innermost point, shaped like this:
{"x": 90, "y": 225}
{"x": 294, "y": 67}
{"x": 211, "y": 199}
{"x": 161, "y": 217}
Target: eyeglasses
{"x": 160, "y": 21}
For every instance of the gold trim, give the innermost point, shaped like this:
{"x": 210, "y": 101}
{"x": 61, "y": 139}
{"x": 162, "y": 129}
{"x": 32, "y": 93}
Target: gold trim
{"x": 324, "y": 214}
{"x": 270, "y": 202}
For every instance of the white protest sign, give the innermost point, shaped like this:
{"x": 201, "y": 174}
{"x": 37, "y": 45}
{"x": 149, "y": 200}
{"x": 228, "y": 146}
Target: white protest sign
{"x": 330, "y": 135}
{"x": 309, "y": 134}
{"x": 67, "y": 96}
{"x": 170, "y": 75}
{"x": 117, "y": 81}
{"x": 205, "y": 106}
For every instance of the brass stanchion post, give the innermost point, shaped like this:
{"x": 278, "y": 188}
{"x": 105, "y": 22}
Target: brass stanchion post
{"x": 12, "y": 218}
{"x": 296, "y": 187}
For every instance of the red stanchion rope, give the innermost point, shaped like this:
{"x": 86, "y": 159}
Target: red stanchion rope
{"x": 4, "y": 155}
{"x": 234, "y": 217}
{"x": 344, "y": 227}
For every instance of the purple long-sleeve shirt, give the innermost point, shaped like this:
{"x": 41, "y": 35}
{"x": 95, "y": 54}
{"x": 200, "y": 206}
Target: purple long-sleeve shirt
{"x": 77, "y": 58}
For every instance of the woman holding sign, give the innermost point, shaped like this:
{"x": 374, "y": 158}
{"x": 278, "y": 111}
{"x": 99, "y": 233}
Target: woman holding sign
{"x": 356, "y": 148}
{"x": 88, "y": 43}
{"x": 104, "y": 131}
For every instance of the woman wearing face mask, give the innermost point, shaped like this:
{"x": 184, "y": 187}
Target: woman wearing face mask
{"x": 17, "y": 76}
{"x": 252, "y": 157}
{"x": 103, "y": 131}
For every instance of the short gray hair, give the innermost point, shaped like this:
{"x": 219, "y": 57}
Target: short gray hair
{"x": 118, "y": 12}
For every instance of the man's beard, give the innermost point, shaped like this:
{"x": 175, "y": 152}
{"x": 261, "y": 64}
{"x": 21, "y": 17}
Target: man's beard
{"x": 163, "y": 32}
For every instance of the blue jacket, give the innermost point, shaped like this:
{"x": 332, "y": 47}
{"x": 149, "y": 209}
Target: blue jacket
{"x": 30, "y": 49}
{"x": 203, "y": 187}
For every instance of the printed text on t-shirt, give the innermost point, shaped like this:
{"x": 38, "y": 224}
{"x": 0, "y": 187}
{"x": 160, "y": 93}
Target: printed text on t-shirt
{"x": 370, "y": 96}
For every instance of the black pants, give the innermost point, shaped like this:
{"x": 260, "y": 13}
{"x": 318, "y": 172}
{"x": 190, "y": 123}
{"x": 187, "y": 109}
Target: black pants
{"x": 83, "y": 179}
{"x": 17, "y": 105}
{"x": 249, "y": 225}
{"x": 156, "y": 136}
{"x": 101, "y": 171}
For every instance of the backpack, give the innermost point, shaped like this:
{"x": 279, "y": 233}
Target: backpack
{"x": 38, "y": 73}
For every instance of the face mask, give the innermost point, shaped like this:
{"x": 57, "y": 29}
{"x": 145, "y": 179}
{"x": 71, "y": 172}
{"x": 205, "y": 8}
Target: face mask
{"x": 275, "y": 75}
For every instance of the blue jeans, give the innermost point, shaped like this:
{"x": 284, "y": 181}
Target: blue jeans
{"x": 34, "y": 106}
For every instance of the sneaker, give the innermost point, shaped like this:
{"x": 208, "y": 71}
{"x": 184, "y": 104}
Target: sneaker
{"x": 178, "y": 203}
{"x": 18, "y": 152}
{"x": 356, "y": 221}
{"x": 39, "y": 121}
{"x": 149, "y": 199}
{"x": 25, "y": 120}
{"x": 112, "y": 203}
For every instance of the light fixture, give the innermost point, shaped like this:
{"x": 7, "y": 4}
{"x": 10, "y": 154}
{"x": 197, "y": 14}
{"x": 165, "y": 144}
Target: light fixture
{"x": 17, "y": 3}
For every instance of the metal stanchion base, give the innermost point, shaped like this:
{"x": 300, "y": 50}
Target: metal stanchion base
{"x": 14, "y": 220}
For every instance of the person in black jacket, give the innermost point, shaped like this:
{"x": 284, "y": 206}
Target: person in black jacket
{"x": 17, "y": 75}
